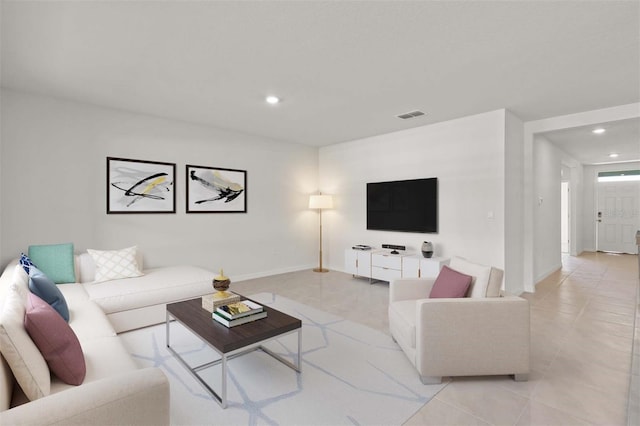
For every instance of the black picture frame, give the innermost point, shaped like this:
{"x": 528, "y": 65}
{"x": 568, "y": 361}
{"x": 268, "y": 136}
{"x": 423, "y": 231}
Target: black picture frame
{"x": 139, "y": 186}
{"x": 215, "y": 190}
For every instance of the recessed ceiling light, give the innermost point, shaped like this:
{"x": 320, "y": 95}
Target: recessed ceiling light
{"x": 272, "y": 99}
{"x": 613, "y": 155}
{"x": 599, "y": 131}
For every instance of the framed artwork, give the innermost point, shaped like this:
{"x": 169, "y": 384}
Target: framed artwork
{"x": 216, "y": 190}
{"x": 136, "y": 186}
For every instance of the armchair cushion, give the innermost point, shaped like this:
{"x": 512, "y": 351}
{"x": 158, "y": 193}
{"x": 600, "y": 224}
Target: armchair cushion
{"x": 450, "y": 283}
{"x": 479, "y": 273}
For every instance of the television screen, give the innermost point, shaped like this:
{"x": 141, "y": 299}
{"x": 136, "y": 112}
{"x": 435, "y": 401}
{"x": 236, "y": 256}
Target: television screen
{"x": 404, "y": 206}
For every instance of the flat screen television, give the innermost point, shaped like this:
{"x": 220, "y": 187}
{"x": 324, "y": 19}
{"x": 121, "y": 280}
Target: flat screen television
{"x": 403, "y": 205}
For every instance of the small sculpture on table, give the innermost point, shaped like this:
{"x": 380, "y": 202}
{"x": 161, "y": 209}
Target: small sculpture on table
{"x": 221, "y": 284}
{"x": 221, "y": 297}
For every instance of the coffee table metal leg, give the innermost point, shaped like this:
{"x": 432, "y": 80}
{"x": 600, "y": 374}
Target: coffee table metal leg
{"x": 224, "y": 358}
{"x": 223, "y": 400}
{"x": 297, "y": 364}
{"x": 300, "y": 350}
{"x": 167, "y": 330}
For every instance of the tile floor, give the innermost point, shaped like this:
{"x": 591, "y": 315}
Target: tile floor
{"x": 582, "y": 331}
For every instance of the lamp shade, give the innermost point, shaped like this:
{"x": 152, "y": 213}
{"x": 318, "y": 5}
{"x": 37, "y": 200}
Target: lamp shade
{"x": 321, "y": 202}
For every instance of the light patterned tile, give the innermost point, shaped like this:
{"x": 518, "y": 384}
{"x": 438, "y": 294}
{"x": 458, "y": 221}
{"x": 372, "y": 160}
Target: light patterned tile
{"x": 538, "y": 414}
{"x": 585, "y": 371}
{"x": 525, "y": 388}
{"x": 608, "y": 307}
{"x": 612, "y": 317}
{"x": 596, "y": 405}
{"x": 589, "y": 325}
{"x": 484, "y": 400}
{"x": 439, "y": 413}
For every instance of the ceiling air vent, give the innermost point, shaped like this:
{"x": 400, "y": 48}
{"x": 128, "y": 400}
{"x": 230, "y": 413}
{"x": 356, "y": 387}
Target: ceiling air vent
{"x": 412, "y": 114}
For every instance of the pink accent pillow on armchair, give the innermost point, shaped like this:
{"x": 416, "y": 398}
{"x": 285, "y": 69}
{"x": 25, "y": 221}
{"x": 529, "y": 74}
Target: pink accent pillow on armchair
{"x": 55, "y": 340}
{"x": 449, "y": 284}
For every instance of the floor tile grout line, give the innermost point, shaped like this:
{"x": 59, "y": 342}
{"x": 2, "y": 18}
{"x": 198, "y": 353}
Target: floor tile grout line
{"x": 463, "y": 409}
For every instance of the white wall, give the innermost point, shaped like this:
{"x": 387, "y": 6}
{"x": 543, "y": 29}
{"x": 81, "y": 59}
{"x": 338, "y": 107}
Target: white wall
{"x": 53, "y": 181}
{"x": 547, "y": 159}
{"x": 590, "y": 206}
{"x": 514, "y": 203}
{"x": 1, "y": 120}
{"x": 467, "y": 155}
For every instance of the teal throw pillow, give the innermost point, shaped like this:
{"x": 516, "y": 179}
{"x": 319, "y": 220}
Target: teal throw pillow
{"x": 55, "y": 260}
{"x": 45, "y": 289}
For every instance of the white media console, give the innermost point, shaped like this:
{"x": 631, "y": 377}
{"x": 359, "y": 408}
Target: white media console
{"x": 382, "y": 265}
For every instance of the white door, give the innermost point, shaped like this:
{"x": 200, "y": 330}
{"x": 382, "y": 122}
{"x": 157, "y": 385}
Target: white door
{"x": 618, "y": 216}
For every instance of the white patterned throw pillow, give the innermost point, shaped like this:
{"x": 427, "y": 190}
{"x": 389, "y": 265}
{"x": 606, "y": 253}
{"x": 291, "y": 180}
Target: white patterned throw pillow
{"x": 115, "y": 264}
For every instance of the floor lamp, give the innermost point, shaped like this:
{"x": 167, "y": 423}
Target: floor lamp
{"x": 320, "y": 202}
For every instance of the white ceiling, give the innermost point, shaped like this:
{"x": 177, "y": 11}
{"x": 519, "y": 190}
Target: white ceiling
{"x": 344, "y": 70}
{"x": 621, "y": 137}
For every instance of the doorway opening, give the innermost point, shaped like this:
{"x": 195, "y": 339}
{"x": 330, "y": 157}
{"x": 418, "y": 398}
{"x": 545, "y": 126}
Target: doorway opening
{"x": 565, "y": 217}
{"x": 618, "y": 214}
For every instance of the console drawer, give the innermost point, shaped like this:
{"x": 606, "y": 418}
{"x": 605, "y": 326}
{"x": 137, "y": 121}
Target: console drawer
{"x": 386, "y": 261}
{"x": 385, "y": 274}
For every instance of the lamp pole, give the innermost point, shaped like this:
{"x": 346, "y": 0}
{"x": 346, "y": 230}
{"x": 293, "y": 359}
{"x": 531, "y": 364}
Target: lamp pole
{"x": 320, "y": 269}
{"x": 320, "y": 202}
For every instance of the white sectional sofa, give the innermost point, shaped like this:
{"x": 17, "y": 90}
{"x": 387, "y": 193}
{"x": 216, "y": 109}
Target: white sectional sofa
{"x": 132, "y": 303}
{"x": 115, "y": 390}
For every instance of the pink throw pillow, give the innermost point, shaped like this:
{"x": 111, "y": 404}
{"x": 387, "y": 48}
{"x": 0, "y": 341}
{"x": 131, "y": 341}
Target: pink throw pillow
{"x": 55, "y": 340}
{"x": 450, "y": 283}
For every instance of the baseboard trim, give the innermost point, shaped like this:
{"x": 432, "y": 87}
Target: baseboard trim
{"x": 263, "y": 274}
{"x": 544, "y": 275}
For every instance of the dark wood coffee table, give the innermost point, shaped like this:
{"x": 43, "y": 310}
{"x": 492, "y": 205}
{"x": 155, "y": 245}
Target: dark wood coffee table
{"x": 231, "y": 342}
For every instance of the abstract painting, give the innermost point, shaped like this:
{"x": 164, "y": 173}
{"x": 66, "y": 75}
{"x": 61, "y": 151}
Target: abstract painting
{"x": 216, "y": 190}
{"x": 135, "y": 186}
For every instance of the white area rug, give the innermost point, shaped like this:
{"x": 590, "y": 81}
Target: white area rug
{"x": 351, "y": 375}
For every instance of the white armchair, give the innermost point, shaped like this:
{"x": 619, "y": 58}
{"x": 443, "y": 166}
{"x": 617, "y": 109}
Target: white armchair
{"x": 471, "y": 336}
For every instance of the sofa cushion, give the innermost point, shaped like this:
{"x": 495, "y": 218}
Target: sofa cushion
{"x": 402, "y": 315}
{"x": 158, "y": 285}
{"x": 27, "y": 364}
{"x": 104, "y": 357}
{"x": 115, "y": 264}
{"x": 55, "y": 260}
{"x": 450, "y": 284}
{"x": 55, "y": 340}
{"x": 86, "y": 319}
{"x": 45, "y": 289}
{"x": 480, "y": 274}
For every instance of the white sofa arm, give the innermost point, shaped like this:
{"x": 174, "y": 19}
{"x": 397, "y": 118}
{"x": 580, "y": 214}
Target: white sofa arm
{"x": 466, "y": 337}
{"x": 410, "y": 288}
{"x": 139, "y": 397}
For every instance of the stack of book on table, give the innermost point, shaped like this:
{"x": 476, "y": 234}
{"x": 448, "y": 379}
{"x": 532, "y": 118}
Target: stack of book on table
{"x": 237, "y": 313}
